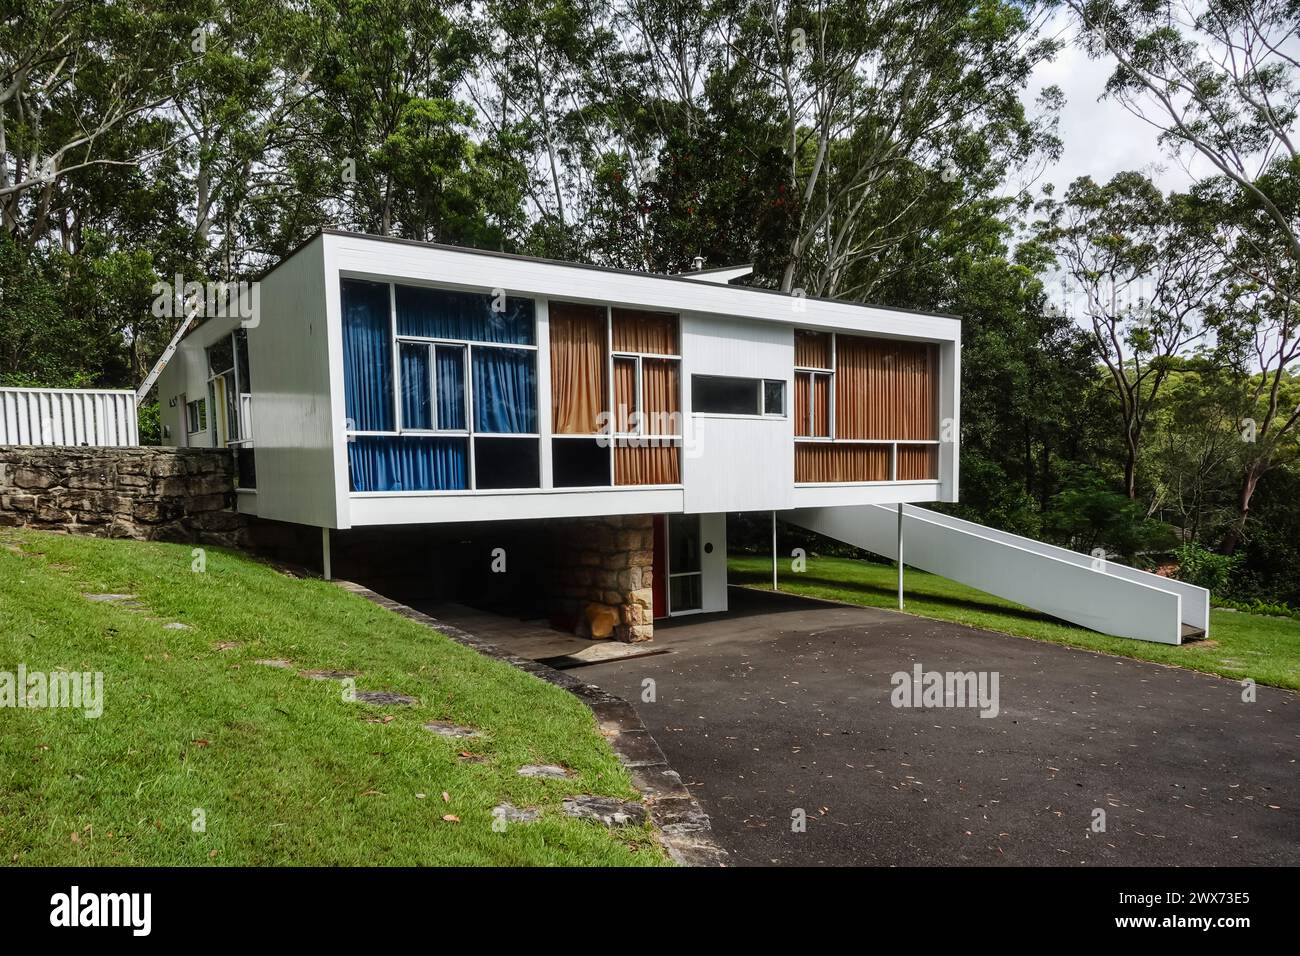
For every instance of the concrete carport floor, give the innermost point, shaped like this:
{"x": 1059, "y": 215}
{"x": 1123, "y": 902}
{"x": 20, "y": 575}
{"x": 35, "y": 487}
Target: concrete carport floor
{"x": 780, "y": 710}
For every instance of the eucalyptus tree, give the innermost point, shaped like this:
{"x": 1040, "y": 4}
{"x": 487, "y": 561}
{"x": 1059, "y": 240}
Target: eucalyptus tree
{"x": 867, "y": 91}
{"x": 1143, "y": 280}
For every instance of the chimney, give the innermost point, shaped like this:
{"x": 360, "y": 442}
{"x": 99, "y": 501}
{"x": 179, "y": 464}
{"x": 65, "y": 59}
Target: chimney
{"x": 697, "y": 263}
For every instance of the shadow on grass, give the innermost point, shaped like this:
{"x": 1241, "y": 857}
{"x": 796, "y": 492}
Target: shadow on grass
{"x": 840, "y": 586}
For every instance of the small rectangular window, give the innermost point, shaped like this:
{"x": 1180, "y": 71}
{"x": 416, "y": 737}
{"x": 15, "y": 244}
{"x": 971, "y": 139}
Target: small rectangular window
{"x": 718, "y": 395}
{"x": 197, "y": 415}
{"x": 773, "y": 398}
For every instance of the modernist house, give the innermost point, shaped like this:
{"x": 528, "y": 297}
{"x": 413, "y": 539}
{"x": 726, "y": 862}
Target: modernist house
{"x": 387, "y": 382}
{"x": 384, "y": 383}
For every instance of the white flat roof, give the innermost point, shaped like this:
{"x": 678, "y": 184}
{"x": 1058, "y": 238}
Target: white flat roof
{"x": 386, "y": 257}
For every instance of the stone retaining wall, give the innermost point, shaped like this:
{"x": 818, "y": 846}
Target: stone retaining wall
{"x": 165, "y": 494}
{"x": 608, "y": 563}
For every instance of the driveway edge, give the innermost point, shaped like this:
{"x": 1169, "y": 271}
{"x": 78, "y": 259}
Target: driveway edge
{"x": 684, "y": 828}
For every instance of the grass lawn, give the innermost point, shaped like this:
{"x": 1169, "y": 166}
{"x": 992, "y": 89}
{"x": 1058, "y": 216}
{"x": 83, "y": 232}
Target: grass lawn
{"x": 1240, "y": 645}
{"x": 283, "y": 769}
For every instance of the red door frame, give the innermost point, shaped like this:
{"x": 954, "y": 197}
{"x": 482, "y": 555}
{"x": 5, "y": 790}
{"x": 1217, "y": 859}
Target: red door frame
{"x": 659, "y": 571}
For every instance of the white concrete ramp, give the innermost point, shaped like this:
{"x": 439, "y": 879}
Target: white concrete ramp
{"x": 1100, "y": 595}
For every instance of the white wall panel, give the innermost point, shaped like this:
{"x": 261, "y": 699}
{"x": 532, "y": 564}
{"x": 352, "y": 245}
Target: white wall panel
{"x": 734, "y": 463}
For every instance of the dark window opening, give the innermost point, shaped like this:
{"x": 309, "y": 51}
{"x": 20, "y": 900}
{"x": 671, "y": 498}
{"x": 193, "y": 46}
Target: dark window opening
{"x": 579, "y": 463}
{"x": 506, "y": 463}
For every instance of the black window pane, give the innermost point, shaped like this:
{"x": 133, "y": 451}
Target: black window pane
{"x": 724, "y": 396}
{"x": 506, "y": 463}
{"x": 774, "y": 398}
{"x": 241, "y": 360}
{"x": 685, "y": 593}
{"x": 579, "y": 463}
{"x": 221, "y": 356}
{"x": 683, "y": 543}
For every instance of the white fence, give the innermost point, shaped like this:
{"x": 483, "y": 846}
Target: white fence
{"x": 1100, "y": 595}
{"x": 68, "y": 416}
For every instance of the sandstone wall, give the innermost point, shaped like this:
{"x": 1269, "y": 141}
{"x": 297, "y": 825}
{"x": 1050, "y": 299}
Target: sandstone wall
{"x": 165, "y": 494}
{"x": 606, "y": 562}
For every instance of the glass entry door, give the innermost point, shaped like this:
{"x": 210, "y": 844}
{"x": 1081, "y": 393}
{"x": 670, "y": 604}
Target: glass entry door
{"x": 685, "y": 573}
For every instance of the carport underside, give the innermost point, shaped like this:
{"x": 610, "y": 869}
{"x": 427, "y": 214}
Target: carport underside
{"x": 598, "y": 577}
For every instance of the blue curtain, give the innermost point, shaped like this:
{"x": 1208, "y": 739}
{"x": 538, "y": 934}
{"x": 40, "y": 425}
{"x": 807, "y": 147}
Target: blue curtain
{"x": 417, "y": 405}
{"x": 367, "y": 356}
{"x": 443, "y": 314}
{"x": 409, "y": 463}
{"x": 505, "y": 391}
{"x": 451, "y": 386}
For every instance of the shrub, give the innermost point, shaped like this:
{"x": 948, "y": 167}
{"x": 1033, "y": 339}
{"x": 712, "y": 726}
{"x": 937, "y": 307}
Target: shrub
{"x": 1206, "y": 568}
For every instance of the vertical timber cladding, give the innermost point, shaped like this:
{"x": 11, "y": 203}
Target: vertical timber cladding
{"x": 885, "y": 390}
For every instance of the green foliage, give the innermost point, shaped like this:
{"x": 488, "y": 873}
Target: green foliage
{"x": 1205, "y": 568}
{"x": 1087, "y": 515}
{"x": 1258, "y": 607}
{"x": 148, "y": 416}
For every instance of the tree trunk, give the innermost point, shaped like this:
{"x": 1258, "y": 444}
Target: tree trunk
{"x": 1232, "y": 540}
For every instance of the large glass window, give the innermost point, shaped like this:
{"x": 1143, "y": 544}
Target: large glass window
{"x": 466, "y": 371}
{"x": 505, "y": 390}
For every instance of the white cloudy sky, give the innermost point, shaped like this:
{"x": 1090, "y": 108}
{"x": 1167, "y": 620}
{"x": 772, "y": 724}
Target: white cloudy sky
{"x": 1101, "y": 137}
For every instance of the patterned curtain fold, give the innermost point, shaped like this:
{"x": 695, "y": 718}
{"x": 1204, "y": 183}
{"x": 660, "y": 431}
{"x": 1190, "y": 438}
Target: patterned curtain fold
{"x": 647, "y": 465}
{"x": 417, "y": 405}
{"x": 505, "y": 391}
{"x": 885, "y": 389}
{"x": 660, "y": 389}
{"x": 579, "y": 389}
{"x": 367, "y": 356}
{"x": 636, "y": 331}
{"x": 450, "y": 362}
{"x": 409, "y": 463}
{"x": 834, "y": 462}
{"x": 444, "y": 314}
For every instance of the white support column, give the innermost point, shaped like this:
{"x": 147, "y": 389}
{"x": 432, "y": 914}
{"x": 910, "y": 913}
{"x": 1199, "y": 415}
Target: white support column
{"x": 325, "y": 552}
{"x": 774, "y": 586}
{"x": 899, "y": 552}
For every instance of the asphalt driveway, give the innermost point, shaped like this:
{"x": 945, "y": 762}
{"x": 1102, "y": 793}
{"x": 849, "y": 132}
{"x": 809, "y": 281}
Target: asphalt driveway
{"x": 780, "y": 710}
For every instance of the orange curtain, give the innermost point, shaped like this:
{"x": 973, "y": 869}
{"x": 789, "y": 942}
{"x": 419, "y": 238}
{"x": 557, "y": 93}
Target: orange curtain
{"x": 916, "y": 462}
{"x": 814, "y": 389}
{"x": 578, "y": 382}
{"x": 821, "y": 399}
{"x": 647, "y": 465}
{"x": 635, "y": 331}
{"x": 802, "y": 391}
{"x": 816, "y": 461}
{"x": 812, "y": 349}
{"x": 624, "y": 393}
{"x": 660, "y": 388}
{"x": 885, "y": 389}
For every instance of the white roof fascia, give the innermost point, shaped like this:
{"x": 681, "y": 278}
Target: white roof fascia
{"x": 475, "y": 270}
